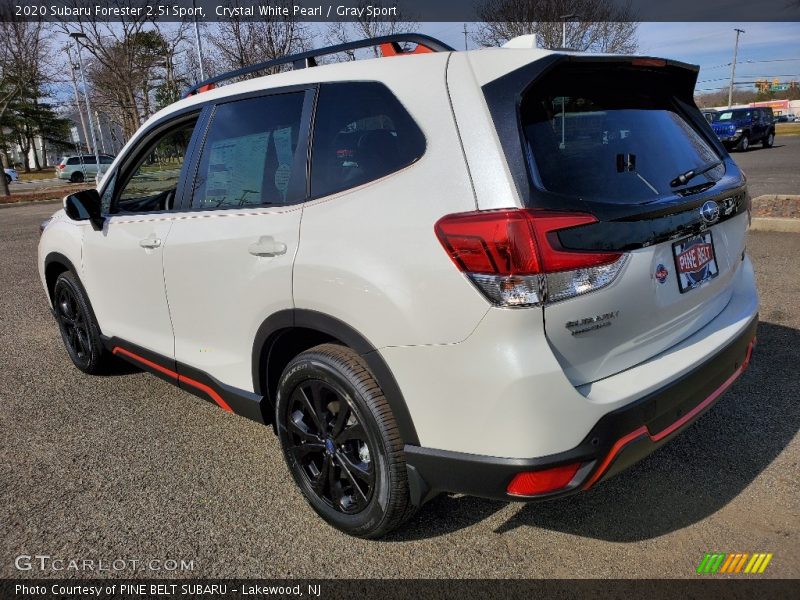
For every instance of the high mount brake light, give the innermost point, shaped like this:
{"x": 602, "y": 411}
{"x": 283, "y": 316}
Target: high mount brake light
{"x": 516, "y": 259}
{"x": 649, "y": 62}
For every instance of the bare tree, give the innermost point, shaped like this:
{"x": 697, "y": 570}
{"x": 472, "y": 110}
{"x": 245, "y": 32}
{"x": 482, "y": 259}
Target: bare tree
{"x": 124, "y": 56}
{"x": 341, "y": 32}
{"x": 600, "y": 25}
{"x": 238, "y": 43}
{"x": 23, "y": 51}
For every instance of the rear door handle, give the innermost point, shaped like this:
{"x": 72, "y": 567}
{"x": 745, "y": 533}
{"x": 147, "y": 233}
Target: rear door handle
{"x": 267, "y": 246}
{"x": 150, "y": 243}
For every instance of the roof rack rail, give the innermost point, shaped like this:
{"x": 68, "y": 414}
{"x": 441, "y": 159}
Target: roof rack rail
{"x": 389, "y": 44}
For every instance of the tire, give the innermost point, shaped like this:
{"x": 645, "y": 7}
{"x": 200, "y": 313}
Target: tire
{"x": 350, "y": 466}
{"x": 744, "y": 144}
{"x": 78, "y": 326}
{"x": 769, "y": 140}
{"x": 76, "y": 177}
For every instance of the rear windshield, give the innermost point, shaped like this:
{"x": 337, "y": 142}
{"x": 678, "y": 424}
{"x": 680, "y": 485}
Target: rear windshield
{"x": 610, "y": 135}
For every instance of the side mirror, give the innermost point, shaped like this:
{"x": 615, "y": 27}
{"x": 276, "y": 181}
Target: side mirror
{"x": 85, "y": 206}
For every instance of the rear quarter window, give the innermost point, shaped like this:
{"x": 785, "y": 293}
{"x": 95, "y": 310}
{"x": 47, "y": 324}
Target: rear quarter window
{"x": 361, "y": 133}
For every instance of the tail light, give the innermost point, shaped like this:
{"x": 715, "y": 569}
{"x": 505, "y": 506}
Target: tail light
{"x": 514, "y": 257}
{"x": 61, "y": 166}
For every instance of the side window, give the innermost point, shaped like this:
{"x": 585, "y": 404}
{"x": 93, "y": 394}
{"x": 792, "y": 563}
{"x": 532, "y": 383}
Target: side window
{"x": 361, "y": 133}
{"x": 73, "y": 161}
{"x": 90, "y": 160}
{"x": 253, "y": 154}
{"x": 106, "y": 160}
{"x": 151, "y": 181}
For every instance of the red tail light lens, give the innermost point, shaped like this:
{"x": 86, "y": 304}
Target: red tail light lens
{"x": 61, "y": 166}
{"x": 508, "y": 255}
{"x": 515, "y": 242}
{"x": 532, "y": 483}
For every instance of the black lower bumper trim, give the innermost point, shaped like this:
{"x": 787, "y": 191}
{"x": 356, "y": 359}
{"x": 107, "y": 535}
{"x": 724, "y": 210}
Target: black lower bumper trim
{"x": 618, "y": 440}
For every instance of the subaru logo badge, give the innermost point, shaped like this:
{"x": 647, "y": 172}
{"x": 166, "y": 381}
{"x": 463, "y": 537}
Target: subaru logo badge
{"x": 710, "y": 212}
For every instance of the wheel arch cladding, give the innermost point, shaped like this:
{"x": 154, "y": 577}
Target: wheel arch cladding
{"x": 54, "y": 265}
{"x": 285, "y": 334}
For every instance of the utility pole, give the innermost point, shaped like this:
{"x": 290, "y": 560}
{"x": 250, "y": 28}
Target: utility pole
{"x": 733, "y": 66}
{"x": 77, "y": 99}
{"x": 465, "y": 36}
{"x": 76, "y": 36}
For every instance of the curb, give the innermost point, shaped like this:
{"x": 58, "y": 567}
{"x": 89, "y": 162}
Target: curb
{"x": 27, "y": 203}
{"x": 776, "y": 224}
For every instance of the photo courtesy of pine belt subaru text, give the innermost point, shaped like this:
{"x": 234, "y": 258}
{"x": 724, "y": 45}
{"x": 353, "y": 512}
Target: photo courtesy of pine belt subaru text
{"x": 513, "y": 285}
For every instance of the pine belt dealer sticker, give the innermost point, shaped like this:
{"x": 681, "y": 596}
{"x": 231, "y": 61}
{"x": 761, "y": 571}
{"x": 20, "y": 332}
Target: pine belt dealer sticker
{"x": 695, "y": 261}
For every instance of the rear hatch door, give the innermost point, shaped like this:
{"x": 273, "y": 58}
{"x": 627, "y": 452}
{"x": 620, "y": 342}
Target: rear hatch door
{"x": 622, "y": 140}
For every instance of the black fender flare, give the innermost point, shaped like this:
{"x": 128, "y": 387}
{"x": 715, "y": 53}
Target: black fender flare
{"x": 60, "y": 259}
{"x": 278, "y": 322}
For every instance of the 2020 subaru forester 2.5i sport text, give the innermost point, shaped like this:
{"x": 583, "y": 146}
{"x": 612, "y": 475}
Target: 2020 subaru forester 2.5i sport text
{"x": 509, "y": 273}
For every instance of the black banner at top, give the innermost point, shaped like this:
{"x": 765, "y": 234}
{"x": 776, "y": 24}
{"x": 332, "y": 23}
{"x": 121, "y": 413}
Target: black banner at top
{"x": 402, "y": 10}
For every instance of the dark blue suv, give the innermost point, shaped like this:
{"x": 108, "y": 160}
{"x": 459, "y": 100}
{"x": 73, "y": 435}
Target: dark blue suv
{"x": 739, "y": 128}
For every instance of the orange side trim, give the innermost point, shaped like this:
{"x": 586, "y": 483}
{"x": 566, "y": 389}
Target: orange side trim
{"x": 204, "y": 388}
{"x": 182, "y": 378}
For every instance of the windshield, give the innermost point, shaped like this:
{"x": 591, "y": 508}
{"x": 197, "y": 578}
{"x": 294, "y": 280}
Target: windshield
{"x": 606, "y": 136}
{"x": 733, "y": 115}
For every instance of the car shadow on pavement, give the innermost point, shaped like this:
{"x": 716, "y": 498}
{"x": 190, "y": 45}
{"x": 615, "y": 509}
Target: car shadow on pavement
{"x": 687, "y": 480}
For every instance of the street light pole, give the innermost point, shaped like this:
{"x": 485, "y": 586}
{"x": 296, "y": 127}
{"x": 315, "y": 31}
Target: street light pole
{"x": 733, "y": 66}
{"x": 77, "y": 98}
{"x": 76, "y": 36}
{"x": 198, "y": 44}
{"x": 564, "y": 19}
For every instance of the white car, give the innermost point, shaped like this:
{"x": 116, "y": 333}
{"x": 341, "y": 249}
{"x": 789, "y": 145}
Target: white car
{"x": 79, "y": 167}
{"x": 11, "y": 175}
{"x": 509, "y": 273}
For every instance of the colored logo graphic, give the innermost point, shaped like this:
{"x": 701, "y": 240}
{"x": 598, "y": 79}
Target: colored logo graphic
{"x": 661, "y": 273}
{"x": 726, "y": 563}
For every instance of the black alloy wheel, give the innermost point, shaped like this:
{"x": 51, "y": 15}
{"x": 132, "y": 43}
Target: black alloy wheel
{"x": 73, "y": 325}
{"x": 330, "y": 445}
{"x": 341, "y": 443}
{"x": 77, "y": 325}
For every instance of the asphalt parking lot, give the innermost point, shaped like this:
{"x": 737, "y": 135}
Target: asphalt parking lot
{"x": 127, "y": 466}
{"x": 773, "y": 170}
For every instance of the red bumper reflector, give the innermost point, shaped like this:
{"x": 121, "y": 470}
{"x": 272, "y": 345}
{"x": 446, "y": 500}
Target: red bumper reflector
{"x": 531, "y": 483}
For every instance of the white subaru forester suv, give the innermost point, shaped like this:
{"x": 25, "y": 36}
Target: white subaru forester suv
{"x": 509, "y": 273}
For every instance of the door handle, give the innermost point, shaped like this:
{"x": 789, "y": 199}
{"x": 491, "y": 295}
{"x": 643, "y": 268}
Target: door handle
{"x": 267, "y": 246}
{"x": 150, "y": 243}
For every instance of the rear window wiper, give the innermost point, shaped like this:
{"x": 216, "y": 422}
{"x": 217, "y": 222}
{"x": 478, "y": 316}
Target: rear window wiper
{"x": 684, "y": 178}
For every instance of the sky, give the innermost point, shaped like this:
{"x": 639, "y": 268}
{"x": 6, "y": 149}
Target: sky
{"x": 709, "y": 45}
{"x": 766, "y": 50}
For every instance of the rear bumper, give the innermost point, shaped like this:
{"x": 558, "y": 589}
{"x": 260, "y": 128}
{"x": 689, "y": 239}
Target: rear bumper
{"x": 618, "y": 440}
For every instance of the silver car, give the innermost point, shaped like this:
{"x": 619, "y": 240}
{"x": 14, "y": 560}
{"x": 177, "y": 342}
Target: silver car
{"x": 79, "y": 167}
